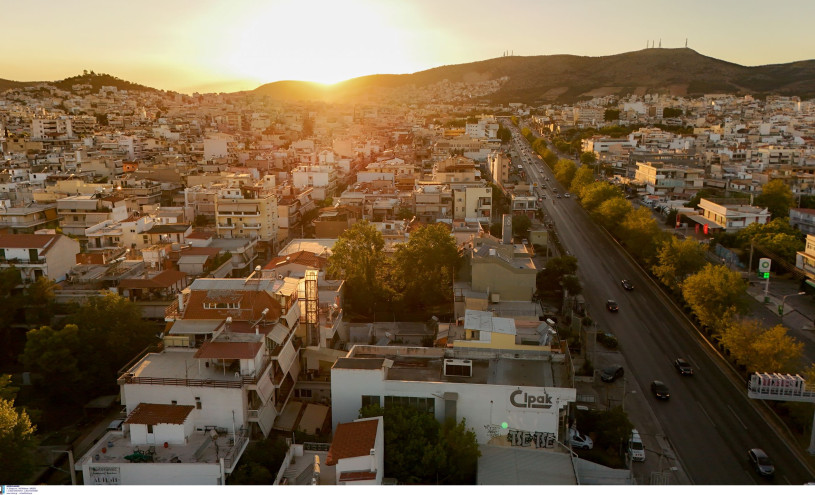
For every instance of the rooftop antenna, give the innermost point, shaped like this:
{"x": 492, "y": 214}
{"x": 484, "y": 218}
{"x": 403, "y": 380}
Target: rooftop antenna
{"x": 660, "y": 42}
{"x": 686, "y": 42}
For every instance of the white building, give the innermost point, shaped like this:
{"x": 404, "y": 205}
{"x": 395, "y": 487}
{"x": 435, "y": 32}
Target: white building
{"x": 509, "y": 397}
{"x": 38, "y": 255}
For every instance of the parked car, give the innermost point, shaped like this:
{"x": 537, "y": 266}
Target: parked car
{"x": 578, "y": 441}
{"x": 608, "y": 340}
{"x": 761, "y": 462}
{"x": 627, "y": 285}
{"x": 610, "y": 374}
{"x": 612, "y": 306}
{"x": 683, "y": 367}
{"x": 660, "y": 390}
{"x": 635, "y": 449}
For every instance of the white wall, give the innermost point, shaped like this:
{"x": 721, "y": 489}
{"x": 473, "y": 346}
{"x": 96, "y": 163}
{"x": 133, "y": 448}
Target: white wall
{"x": 217, "y": 404}
{"x": 480, "y": 405}
{"x": 152, "y": 474}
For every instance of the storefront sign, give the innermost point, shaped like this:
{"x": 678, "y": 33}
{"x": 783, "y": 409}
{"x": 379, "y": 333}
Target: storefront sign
{"x": 519, "y": 398}
{"x": 104, "y": 475}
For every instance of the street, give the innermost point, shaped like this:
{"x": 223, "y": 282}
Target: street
{"x": 709, "y": 420}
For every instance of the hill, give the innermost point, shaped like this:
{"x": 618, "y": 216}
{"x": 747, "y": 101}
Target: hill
{"x": 96, "y": 81}
{"x": 568, "y": 78}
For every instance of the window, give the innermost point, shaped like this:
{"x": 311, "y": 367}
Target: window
{"x": 175, "y": 402}
{"x": 421, "y": 403}
{"x": 198, "y": 402}
{"x": 367, "y": 400}
{"x": 303, "y": 393}
{"x": 149, "y": 429}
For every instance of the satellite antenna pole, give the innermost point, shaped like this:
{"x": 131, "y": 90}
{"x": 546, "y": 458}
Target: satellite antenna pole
{"x": 686, "y": 42}
{"x": 660, "y": 42}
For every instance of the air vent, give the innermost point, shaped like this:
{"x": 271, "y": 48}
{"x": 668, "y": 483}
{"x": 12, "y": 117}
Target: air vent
{"x": 458, "y": 367}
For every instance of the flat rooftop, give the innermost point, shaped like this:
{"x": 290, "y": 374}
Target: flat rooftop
{"x": 489, "y": 367}
{"x": 200, "y": 448}
{"x": 181, "y": 364}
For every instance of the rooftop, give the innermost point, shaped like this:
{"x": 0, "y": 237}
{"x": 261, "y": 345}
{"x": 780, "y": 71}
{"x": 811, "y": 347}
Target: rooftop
{"x": 489, "y": 367}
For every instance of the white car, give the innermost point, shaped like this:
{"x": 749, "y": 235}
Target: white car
{"x": 578, "y": 441}
{"x": 566, "y": 195}
{"x": 636, "y": 451}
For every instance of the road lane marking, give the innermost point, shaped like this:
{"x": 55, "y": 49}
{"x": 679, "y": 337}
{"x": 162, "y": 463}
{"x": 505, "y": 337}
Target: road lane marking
{"x": 787, "y": 480}
{"x": 737, "y": 417}
{"x": 750, "y": 477}
{"x": 705, "y": 413}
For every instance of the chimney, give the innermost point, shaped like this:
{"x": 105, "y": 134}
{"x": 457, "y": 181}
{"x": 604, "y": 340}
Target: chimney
{"x": 180, "y": 302}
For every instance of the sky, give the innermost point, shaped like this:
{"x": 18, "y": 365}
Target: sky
{"x": 234, "y": 45}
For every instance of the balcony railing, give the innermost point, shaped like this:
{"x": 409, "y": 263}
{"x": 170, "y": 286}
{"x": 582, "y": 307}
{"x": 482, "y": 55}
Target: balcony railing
{"x": 127, "y": 378}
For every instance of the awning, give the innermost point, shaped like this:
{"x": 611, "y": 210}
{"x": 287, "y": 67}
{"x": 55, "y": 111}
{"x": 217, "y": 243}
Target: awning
{"x": 196, "y": 327}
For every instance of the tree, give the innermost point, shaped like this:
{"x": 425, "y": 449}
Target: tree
{"x": 572, "y": 284}
{"x": 556, "y": 268}
{"x": 54, "y": 355}
{"x": 611, "y": 212}
{"x": 17, "y": 443}
{"x": 762, "y": 349}
{"x": 669, "y": 113}
{"x": 418, "y": 450}
{"x": 588, "y": 158}
{"x": 713, "y": 293}
{"x": 777, "y": 236}
{"x": 582, "y": 178}
{"x": 777, "y": 197}
{"x": 504, "y": 134}
{"x": 260, "y": 463}
{"x": 677, "y": 260}
{"x": 425, "y": 265}
{"x": 565, "y": 171}
{"x": 611, "y": 114}
{"x": 641, "y": 234}
{"x": 596, "y": 193}
{"x": 520, "y": 224}
{"x": 357, "y": 258}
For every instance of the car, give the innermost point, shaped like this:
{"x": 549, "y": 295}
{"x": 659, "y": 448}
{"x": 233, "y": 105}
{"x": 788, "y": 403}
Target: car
{"x": 558, "y": 196}
{"x": 761, "y": 462}
{"x": 612, "y": 306}
{"x": 635, "y": 449}
{"x": 566, "y": 195}
{"x": 578, "y": 441}
{"x": 683, "y": 367}
{"x": 627, "y": 285}
{"x": 611, "y": 373}
{"x": 660, "y": 390}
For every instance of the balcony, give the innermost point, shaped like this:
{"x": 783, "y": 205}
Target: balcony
{"x": 226, "y": 226}
{"x": 21, "y": 262}
{"x": 251, "y": 226}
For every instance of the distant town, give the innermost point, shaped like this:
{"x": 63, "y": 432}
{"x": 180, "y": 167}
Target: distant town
{"x": 419, "y": 286}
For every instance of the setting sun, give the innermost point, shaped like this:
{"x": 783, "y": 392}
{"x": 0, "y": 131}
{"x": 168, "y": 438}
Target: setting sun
{"x": 322, "y": 41}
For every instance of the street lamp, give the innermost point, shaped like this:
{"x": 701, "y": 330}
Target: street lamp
{"x": 784, "y": 300}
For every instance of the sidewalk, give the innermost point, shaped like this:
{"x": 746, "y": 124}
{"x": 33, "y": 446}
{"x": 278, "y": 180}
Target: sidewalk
{"x": 799, "y": 310}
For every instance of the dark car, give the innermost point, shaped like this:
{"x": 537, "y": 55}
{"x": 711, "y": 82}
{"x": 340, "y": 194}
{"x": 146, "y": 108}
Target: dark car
{"x": 610, "y": 374}
{"x": 612, "y": 306}
{"x": 660, "y": 390}
{"x": 761, "y": 462}
{"x": 627, "y": 285}
{"x": 683, "y": 367}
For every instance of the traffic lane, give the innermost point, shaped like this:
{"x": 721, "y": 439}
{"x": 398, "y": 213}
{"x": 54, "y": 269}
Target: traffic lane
{"x": 638, "y": 328}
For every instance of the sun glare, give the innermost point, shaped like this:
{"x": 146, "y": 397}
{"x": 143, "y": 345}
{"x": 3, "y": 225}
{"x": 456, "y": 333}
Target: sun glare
{"x": 321, "y": 41}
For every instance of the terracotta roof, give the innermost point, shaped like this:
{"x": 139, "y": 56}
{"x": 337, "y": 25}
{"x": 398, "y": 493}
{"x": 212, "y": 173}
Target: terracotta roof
{"x": 358, "y": 476}
{"x": 29, "y": 241}
{"x": 305, "y": 258}
{"x": 352, "y": 440}
{"x": 155, "y": 414}
{"x": 228, "y": 350}
{"x": 252, "y": 304}
{"x": 198, "y": 234}
{"x": 162, "y": 280}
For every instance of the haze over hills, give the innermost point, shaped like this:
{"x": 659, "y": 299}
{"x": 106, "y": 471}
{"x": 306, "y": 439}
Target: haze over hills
{"x": 567, "y": 78}
{"x": 545, "y": 78}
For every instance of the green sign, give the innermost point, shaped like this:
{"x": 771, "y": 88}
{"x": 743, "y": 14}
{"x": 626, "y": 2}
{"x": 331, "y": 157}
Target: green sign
{"x": 766, "y": 274}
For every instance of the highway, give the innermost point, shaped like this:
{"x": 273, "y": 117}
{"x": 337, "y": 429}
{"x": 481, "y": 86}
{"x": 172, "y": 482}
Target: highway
{"x": 709, "y": 419}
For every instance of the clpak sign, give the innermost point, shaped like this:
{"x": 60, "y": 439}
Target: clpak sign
{"x": 521, "y": 399}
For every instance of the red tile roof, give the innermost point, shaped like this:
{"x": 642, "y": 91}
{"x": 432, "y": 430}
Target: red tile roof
{"x": 155, "y": 414}
{"x": 199, "y": 234}
{"x": 352, "y": 440}
{"x": 228, "y": 350}
{"x": 305, "y": 258}
{"x": 252, "y": 304}
{"x": 163, "y": 280}
{"x": 29, "y": 241}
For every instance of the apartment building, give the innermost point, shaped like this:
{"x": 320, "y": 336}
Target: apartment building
{"x": 661, "y": 179}
{"x": 499, "y": 165}
{"x": 730, "y": 216}
{"x": 248, "y": 211}
{"x": 472, "y": 203}
{"x": 28, "y": 219}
